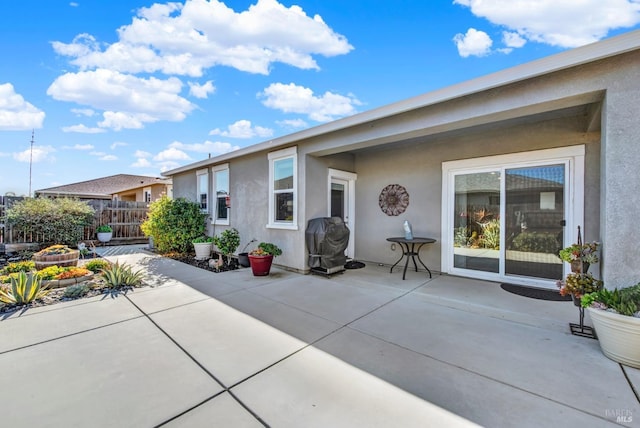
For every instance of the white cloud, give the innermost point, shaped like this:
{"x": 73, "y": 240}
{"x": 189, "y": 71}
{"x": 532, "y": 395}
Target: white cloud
{"x": 83, "y": 112}
{"x": 128, "y": 101}
{"x": 117, "y": 144}
{"x": 82, "y": 129}
{"x": 141, "y": 163}
{"x": 108, "y": 158}
{"x": 40, "y": 153}
{"x": 293, "y": 123}
{"x": 16, "y": 114}
{"x": 292, "y": 98}
{"x": 474, "y": 42}
{"x": 201, "y": 91}
{"x": 214, "y": 148}
{"x": 142, "y": 154}
{"x": 243, "y": 129}
{"x": 82, "y": 147}
{"x": 171, "y": 154}
{"x": 185, "y": 39}
{"x": 166, "y": 166}
{"x": 566, "y": 23}
{"x": 513, "y": 40}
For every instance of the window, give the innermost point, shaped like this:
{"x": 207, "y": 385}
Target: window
{"x": 147, "y": 194}
{"x": 283, "y": 176}
{"x": 221, "y": 187}
{"x": 203, "y": 188}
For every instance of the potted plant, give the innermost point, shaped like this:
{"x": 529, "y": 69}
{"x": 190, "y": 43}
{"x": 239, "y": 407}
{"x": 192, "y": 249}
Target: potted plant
{"x": 105, "y": 233}
{"x": 262, "y": 257}
{"x": 579, "y": 284}
{"x": 59, "y": 255}
{"x": 203, "y": 246}
{"x": 243, "y": 257}
{"x": 616, "y": 318}
{"x": 227, "y": 243}
{"x": 580, "y": 256}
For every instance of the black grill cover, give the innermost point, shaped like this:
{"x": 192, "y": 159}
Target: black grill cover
{"x": 327, "y": 238}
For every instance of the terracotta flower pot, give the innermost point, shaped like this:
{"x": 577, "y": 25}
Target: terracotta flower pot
{"x": 260, "y": 265}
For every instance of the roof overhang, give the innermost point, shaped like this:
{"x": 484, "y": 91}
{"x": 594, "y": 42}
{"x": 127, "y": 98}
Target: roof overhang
{"x": 586, "y": 54}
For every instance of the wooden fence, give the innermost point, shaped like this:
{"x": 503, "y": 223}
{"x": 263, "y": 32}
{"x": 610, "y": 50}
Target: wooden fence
{"x": 124, "y": 217}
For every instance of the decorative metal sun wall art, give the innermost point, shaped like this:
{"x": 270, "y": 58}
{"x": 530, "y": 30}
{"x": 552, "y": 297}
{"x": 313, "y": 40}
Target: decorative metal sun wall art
{"x": 393, "y": 200}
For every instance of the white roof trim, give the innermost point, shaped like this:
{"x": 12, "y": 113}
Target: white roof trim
{"x": 589, "y": 53}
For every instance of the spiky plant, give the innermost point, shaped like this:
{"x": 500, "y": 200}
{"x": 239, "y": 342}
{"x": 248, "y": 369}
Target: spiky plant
{"x": 121, "y": 275}
{"x": 25, "y": 288}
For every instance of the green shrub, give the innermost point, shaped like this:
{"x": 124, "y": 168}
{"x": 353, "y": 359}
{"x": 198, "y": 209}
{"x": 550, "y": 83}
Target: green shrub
{"x": 121, "y": 275}
{"x": 96, "y": 265}
{"x": 625, "y": 301}
{"x": 536, "y": 242}
{"x": 104, "y": 228}
{"x": 24, "y": 289}
{"x": 58, "y": 220}
{"x": 50, "y": 272}
{"x": 75, "y": 291}
{"x": 22, "y": 266}
{"x": 174, "y": 224}
{"x": 228, "y": 242}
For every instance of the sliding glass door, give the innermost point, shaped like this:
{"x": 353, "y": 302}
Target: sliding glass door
{"x": 507, "y": 216}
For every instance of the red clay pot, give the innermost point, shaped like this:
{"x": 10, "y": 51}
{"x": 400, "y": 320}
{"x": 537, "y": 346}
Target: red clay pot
{"x": 260, "y": 265}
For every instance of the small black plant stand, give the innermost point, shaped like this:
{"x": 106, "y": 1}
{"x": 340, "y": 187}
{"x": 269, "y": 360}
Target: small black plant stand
{"x": 581, "y": 329}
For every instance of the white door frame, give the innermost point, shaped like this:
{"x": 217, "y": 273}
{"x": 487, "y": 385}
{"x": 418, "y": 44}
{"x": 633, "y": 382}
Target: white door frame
{"x": 350, "y": 190}
{"x": 574, "y": 201}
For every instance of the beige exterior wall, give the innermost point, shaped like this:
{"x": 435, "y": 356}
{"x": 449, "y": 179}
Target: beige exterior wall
{"x": 558, "y": 109}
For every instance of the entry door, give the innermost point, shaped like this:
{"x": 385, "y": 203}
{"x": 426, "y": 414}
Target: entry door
{"x": 342, "y": 202}
{"x": 508, "y": 222}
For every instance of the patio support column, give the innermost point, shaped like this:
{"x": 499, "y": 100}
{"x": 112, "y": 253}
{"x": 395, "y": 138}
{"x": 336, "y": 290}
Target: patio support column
{"x": 620, "y": 184}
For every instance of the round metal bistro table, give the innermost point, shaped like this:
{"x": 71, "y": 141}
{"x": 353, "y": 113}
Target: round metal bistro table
{"x": 410, "y": 249}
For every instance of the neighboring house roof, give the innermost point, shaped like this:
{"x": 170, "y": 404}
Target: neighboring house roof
{"x": 586, "y": 54}
{"x": 104, "y": 187}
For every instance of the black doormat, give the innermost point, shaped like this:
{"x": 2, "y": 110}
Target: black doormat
{"x": 535, "y": 293}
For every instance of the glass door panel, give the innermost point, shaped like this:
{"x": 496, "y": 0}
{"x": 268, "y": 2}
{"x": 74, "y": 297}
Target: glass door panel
{"x": 476, "y": 234}
{"x": 534, "y": 215}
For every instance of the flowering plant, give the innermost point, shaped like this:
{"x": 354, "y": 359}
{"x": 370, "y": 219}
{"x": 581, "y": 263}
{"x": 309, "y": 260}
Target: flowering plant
{"x": 55, "y": 249}
{"x": 579, "y": 284}
{"x": 266, "y": 249}
{"x": 586, "y": 253}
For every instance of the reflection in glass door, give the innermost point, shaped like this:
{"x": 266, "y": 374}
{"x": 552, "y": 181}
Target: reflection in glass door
{"x": 476, "y": 239}
{"x": 534, "y": 218}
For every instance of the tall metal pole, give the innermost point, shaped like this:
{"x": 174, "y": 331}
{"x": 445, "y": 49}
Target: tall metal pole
{"x": 33, "y": 131}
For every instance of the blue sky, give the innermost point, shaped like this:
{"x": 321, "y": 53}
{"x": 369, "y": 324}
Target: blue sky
{"x": 140, "y": 87}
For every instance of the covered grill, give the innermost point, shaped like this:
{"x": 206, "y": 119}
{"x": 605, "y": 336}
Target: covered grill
{"x": 327, "y": 238}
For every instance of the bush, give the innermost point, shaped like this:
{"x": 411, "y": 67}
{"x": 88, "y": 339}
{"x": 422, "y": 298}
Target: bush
{"x": 228, "y": 242}
{"x": 174, "y": 224}
{"x": 23, "y": 266}
{"x": 96, "y": 265}
{"x": 534, "y": 242}
{"x": 73, "y": 272}
{"x": 52, "y": 220}
{"x": 50, "y": 272}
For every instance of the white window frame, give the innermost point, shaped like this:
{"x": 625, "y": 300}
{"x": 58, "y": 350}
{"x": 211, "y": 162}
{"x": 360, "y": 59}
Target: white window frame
{"x": 214, "y": 216}
{"x": 146, "y": 191}
{"x": 288, "y": 153}
{"x": 199, "y": 174}
{"x": 573, "y": 156}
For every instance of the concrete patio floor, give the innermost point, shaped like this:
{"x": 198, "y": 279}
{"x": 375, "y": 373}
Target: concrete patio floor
{"x": 360, "y": 349}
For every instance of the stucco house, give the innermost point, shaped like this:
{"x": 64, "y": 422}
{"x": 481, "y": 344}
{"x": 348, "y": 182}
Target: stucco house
{"x": 533, "y": 152}
{"x": 123, "y": 187}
